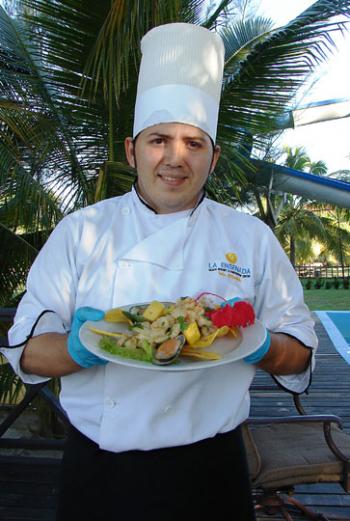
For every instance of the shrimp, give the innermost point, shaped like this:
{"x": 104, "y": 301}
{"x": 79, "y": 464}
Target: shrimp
{"x": 161, "y": 323}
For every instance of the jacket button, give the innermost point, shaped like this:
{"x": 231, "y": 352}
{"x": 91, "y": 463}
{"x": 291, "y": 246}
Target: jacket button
{"x": 111, "y": 403}
{"x": 125, "y": 210}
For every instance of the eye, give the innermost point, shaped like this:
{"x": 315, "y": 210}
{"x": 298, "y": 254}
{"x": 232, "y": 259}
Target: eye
{"x": 194, "y": 144}
{"x": 157, "y": 141}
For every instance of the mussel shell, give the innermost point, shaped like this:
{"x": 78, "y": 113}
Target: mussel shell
{"x": 169, "y": 350}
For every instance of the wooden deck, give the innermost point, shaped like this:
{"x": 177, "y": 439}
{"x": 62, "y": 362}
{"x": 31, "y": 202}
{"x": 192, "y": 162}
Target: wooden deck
{"x": 28, "y": 484}
{"x": 329, "y": 394}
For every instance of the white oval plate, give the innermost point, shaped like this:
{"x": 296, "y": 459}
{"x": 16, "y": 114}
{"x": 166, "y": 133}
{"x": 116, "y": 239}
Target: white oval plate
{"x": 228, "y": 347}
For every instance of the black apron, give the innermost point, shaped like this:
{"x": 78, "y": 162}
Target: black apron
{"x": 203, "y": 480}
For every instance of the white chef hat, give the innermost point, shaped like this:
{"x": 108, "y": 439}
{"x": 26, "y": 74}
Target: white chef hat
{"x": 180, "y": 78}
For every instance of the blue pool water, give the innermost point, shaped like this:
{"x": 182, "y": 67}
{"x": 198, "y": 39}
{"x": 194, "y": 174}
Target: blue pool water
{"x": 337, "y": 325}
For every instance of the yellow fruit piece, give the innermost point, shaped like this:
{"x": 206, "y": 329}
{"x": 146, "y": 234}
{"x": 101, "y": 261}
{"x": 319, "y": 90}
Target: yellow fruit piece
{"x": 116, "y": 315}
{"x": 192, "y": 333}
{"x": 153, "y": 311}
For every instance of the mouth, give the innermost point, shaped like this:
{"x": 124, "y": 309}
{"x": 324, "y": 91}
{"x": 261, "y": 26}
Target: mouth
{"x": 171, "y": 180}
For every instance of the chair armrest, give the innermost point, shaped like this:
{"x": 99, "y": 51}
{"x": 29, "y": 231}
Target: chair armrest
{"x": 307, "y": 418}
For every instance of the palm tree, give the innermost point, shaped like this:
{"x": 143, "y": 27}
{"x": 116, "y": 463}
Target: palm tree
{"x": 297, "y": 226}
{"x": 337, "y": 223}
{"x": 299, "y": 220}
{"x": 68, "y": 80}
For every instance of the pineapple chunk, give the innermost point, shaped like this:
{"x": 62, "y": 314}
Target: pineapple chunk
{"x": 192, "y": 333}
{"x": 153, "y": 311}
{"x": 116, "y": 315}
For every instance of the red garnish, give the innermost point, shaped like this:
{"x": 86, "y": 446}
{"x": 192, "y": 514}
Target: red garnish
{"x": 241, "y": 314}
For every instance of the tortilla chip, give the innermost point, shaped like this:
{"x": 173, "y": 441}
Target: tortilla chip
{"x": 200, "y": 355}
{"x": 235, "y": 331}
{"x": 206, "y": 341}
{"x": 222, "y": 331}
{"x": 105, "y": 333}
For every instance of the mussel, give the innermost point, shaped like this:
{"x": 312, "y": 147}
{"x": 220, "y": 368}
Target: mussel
{"x": 168, "y": 351}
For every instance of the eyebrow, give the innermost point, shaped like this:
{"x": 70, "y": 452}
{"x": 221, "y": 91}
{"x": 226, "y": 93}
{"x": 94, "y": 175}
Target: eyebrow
{"x": 160, "y": 134}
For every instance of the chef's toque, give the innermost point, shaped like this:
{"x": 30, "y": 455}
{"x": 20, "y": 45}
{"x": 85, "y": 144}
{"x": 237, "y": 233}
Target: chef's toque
{"x": 180, "y": 78}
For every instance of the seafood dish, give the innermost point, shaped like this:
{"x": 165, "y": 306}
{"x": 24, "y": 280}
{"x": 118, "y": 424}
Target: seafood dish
{"x": 161, "y": 332}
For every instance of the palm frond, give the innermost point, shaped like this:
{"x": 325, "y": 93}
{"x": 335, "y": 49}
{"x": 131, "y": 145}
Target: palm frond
{"x": 36, "y": 124}
{"x": 118, "y": 41}
{"x": 16, "y": 257}
{"x": 11, "y": 386}
{"x": 212, "y": 21}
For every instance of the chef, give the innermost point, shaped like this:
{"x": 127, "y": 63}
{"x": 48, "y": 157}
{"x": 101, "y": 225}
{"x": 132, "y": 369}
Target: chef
{"x": 153, "y": 444}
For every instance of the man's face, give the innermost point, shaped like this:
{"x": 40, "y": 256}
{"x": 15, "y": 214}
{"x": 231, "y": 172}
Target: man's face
{"x": 173, "y": 162}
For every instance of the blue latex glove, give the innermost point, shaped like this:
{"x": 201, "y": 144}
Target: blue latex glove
{"x": 259, "y": 354}
{"x": 76, "y": 349}
{"x": 231, "y": 301}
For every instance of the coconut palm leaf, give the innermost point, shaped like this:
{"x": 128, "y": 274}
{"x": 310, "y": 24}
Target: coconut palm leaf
{"x": 17, "y": 255}
{"x": 30, "y": 92}
{"x": 11, "y": 386}
{"x": 240, "y": 38}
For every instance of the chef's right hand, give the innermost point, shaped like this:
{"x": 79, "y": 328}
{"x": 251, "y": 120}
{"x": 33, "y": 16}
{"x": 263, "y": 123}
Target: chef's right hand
{"x": 76, "y": 349}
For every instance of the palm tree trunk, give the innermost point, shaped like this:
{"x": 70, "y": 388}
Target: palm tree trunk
{"x": 341, "y": 255}
{"x": 292, "y": 250}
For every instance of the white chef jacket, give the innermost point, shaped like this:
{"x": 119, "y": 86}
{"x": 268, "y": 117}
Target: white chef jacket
{"x": 118, "y": 252}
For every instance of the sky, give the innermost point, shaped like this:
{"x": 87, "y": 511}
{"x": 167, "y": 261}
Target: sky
{"x": 327, "y": 141}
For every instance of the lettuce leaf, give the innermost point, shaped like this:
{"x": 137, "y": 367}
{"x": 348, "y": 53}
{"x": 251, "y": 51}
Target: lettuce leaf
{"x": 110, "y": 346}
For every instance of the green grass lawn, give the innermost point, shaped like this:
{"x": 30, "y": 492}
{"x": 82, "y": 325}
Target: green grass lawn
{"x": 318, "y": 299}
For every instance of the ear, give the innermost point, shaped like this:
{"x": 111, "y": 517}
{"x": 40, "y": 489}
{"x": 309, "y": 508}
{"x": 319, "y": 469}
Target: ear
{"x": 130, "y": 151}
{"x": 216, "y": 155}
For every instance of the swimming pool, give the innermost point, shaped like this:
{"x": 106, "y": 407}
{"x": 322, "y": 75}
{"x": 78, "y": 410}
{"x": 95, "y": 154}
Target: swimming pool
{"x": 337, "y": 325}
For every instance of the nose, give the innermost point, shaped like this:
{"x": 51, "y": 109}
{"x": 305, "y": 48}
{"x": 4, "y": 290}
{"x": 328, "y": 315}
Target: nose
{"x": 174, "y": 154}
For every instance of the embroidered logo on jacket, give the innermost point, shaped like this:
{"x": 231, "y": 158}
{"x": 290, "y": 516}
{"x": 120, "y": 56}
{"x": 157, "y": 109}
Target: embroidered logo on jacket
{"x": 230, "y": 268}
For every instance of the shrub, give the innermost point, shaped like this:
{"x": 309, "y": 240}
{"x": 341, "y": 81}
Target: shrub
{"x": 328, "y": 284}
{"x": 346, "y": 283}
{"x": 318, "y": 283}
{"x": 308, "y": 284}
{"x": 336, "y": 283}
